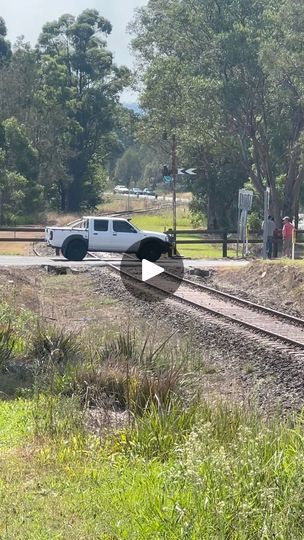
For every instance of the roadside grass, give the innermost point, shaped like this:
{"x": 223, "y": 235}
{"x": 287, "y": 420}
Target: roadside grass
{"x": 15, "y": 248}
{"x": 159, "y": 221}
{"x": 112, "y": 203}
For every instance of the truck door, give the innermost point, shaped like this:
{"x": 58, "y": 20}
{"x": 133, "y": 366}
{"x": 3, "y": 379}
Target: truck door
{"x": 100, "y": 235}
{"x": 124, "y": 235}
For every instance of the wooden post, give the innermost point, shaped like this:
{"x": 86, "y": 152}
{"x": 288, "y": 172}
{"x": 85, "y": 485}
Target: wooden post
{"x": 225, "y": 244}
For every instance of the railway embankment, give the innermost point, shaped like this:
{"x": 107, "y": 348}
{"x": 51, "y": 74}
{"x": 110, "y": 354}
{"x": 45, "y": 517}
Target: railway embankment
{"x": 276, "y": 284}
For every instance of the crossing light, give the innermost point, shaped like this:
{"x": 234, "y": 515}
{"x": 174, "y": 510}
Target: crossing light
{"x": 166, "y": 171}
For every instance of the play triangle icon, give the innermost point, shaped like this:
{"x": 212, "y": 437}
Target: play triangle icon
{"x": 150, "y": 270}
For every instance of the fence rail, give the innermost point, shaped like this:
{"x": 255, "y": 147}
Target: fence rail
{"x": 225, "y": 238}
{"x": 199, "y": 236}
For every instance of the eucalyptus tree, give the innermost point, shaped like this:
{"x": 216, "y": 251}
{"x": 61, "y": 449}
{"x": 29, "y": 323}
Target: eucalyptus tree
{"x": 5, "y": 46}
{"x": 20, "y": 191}
{"x": 88, "y": 84}
{"x": 225, "y": 76}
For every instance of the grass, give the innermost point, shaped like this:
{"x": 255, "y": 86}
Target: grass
{"x": 177, "y": 468}
{"x": 163, "y": 221}
{"x": 225, "y": 474}
{"x": 286, "y": 262}
{"x": 15, "y": 248}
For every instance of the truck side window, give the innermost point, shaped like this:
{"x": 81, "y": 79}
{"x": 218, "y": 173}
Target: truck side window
{"x": 101, "y": 225}
{"x": 123, "y": 226}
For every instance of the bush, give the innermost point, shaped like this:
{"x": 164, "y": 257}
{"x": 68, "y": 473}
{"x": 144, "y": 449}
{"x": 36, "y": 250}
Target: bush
{"x": 254, "y": 222}
{"x": 52, "y": 344}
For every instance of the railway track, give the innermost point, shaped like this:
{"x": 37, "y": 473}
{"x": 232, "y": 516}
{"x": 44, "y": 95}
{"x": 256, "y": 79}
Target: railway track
{"x": 286, "y": 331}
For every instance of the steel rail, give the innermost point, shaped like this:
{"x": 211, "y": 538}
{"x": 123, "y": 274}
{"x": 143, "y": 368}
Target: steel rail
{"x": 241, "y": 301}
{"x": 175, "y": 296}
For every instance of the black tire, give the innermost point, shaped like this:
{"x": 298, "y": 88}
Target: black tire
{"x": 76, "y": 250}
{"x": 63, "y": 252}
{"x": 151, "y": 251}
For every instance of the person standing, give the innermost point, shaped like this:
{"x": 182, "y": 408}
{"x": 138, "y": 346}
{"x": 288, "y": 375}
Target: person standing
{"x": 287, "y": 234}
{"x": 270, "y": 227}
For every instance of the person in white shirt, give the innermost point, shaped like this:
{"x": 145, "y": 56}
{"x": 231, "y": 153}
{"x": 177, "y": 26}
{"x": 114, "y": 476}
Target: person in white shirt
{"x": 270, "y": 227}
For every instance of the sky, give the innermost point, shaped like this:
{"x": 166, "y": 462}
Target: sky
{"x": 26, "y": 17}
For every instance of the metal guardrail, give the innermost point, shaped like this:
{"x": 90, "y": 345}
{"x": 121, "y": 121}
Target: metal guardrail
{"x": 16, "y": 233}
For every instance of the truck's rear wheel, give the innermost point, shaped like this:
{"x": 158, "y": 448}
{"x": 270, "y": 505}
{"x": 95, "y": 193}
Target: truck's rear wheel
{"x": 76, "y": 250}
{"x": 150, "y": 251}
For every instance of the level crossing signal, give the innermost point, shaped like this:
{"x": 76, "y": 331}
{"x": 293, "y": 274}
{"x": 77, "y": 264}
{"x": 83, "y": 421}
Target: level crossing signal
{"x": 167, "y": 174}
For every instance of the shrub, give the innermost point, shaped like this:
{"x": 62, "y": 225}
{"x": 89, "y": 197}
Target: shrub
{"x": 55, "y": 345}
{"x": 126, "y": 386}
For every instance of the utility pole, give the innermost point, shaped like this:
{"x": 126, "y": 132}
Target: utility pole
{"x": 174, "y": 178}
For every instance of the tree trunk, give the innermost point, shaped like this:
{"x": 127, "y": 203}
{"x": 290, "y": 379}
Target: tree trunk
{"x": 212, "y": 219}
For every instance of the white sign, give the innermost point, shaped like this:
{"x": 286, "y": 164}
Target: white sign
{"x": 245, "y": 199}
{"x": 187, "y": 171}
{"x": 150, "y": 270}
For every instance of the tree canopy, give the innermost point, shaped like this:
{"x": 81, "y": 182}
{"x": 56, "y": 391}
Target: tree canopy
{"x": 225, "y": 77}
{"x": 63, "y": 98}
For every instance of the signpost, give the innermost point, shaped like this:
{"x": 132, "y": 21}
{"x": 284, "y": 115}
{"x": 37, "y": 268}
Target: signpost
{"x": 171, "y": 176}
{"x": 244, "y": 205}
{"x": 266, "y": 212}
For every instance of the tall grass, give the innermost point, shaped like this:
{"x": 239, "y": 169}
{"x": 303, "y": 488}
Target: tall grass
{"x": 7, "y": 344}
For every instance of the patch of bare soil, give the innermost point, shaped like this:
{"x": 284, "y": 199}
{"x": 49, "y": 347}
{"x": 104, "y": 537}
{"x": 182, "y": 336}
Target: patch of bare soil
{"x": 279, "y": 286}
{"x": 69, "y": 301}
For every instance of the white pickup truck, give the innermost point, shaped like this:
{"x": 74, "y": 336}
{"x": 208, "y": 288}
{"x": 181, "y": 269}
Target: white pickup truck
{"x": 109, "y": 234}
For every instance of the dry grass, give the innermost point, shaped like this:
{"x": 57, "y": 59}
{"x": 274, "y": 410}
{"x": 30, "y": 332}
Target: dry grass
{"x": 16, "y": 248}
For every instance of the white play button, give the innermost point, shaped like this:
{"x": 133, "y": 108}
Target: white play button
{"x": 149, "y": 270}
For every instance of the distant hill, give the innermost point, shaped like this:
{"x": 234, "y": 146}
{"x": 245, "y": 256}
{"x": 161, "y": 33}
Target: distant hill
{"x": 134, "y": 107}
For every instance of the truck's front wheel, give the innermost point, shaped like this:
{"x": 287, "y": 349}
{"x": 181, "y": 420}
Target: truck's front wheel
{"x": 150, "y": 251}
{"x": 76, "y": 250}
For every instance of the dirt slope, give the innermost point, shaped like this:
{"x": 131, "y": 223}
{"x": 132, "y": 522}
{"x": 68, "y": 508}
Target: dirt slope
{"x": 277, "y": 284}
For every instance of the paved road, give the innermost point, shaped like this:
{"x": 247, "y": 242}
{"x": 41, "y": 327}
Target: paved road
{"x": 16, "y": 261}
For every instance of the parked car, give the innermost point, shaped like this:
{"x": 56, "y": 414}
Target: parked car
{"x": 136, "y": 191}
{"x": 120, "y": 189}
{"x": 149, "y": 192}
{"x": 107, "y": 234}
